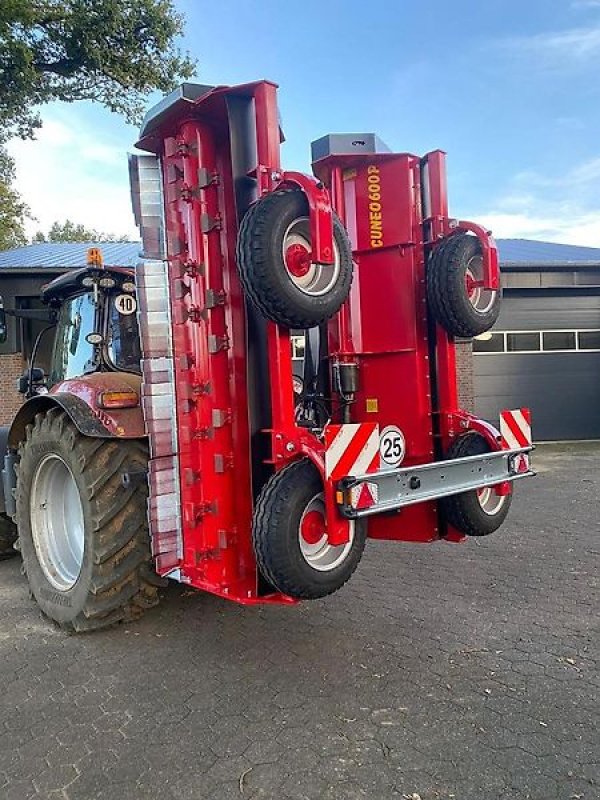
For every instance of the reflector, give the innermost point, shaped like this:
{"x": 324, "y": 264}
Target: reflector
{"x": 364, "y": 495}
{"x": 125, "y": 399}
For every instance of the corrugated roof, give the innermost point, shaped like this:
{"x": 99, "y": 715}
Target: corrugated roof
{"x": 56, "y": 255}
{"x": 528, "y": 251}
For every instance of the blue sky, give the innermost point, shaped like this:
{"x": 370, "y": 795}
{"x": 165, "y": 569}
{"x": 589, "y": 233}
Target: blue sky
{"x": 509, "y": 89}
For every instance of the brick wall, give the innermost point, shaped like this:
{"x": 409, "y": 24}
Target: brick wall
{"x": 464, "y": 369}
{"x": 11, "y": 368}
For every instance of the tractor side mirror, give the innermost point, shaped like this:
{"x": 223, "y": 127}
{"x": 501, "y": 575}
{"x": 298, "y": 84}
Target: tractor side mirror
{"x": 37, "y": 377}
{"x": 3, "y": 325}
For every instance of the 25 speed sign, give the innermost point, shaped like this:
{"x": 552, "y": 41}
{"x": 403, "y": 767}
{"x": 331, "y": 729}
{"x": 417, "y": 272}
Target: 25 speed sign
{"x": 392, "y": 446}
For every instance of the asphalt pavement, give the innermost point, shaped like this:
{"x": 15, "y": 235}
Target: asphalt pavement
{"x": 440, "y": 671}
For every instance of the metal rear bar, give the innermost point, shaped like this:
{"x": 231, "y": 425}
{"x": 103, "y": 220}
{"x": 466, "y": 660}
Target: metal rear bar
{"x": 406, "y": 486}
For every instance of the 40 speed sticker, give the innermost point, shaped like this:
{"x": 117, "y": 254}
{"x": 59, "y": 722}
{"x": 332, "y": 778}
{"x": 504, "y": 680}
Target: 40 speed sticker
{"x": 392, "y": 446}
{"x": 125, "y": 304}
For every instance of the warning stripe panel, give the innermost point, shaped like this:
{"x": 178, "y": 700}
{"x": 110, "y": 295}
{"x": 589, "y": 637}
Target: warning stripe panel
{"x": 342, "y": 436}
{"x": 351, "y": 454}
{"x": 515, "y": 428}
{"x": 352, "y": 449}
{"x": 368, "y": 454}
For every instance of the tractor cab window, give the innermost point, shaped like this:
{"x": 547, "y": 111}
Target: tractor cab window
{"x": 72, "y": 354}
{"x": 123, "y": 335}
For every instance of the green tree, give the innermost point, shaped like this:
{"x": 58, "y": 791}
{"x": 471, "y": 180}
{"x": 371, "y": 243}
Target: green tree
{"x": 68, "y": 231}
{"x": 113, "y": 52}
{"x": 13, "y": 211}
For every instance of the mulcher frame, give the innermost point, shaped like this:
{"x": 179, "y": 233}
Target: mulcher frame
{"x": 219, "y": 151}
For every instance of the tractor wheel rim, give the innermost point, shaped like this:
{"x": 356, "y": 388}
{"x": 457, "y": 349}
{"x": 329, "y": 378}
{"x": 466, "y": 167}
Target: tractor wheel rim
{"x": 480, "y": 298}
{"x": 314, "y": 545}
{"x": 490, "y": 502}
{"x": 309, "y": 277}
{"x": 57, "y": 523}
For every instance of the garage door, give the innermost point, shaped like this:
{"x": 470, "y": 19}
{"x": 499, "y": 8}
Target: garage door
{"x": 544, "y": 353}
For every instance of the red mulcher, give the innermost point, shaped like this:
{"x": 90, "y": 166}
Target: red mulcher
{"x": 262, "y": 484}
{"x": 257, "y": 492}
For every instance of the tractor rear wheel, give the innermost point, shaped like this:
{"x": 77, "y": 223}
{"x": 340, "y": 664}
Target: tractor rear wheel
{"x": 480, "y": 511}
{"x": 83, "y": 534}
{"x": 273, "y": 256}
{"x": 455, "y": 291}
{"x": 290, "y": 536}
{"x": 8, "y": 537}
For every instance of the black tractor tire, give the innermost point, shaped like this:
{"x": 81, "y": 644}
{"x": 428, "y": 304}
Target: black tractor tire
{"x": 116, "y": 581}
{"x": 8, "y": 538}
{"x": 447, "y": 288}
{"x": 465, "y": 511}
{"x": 276, "y": 535}
{"x": 263, "y": 273}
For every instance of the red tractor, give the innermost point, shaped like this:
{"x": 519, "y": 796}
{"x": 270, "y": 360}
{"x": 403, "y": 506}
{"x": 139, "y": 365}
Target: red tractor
{"x": 171, "y": 437}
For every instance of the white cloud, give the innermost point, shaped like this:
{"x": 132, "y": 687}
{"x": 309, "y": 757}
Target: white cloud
{"x": 556, "y": 208}
{"x": 580, "y": 177}
{"x": 71, "y": 171}
{"x": 558, "y": 49}
{"x": 583, "y": 229}
{"x": 585, "y": 4}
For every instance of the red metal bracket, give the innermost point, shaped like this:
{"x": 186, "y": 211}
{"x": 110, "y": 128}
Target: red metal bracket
{"x": 320, "y": 214}
{"x": 288, "y": 446}
{"x": 444, "y": 227}
{"x": 438, "y": 225}
{"x": 489, "y": 251}
{"x": 460, "y": 422}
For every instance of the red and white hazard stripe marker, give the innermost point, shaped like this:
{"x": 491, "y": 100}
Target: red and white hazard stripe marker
{"x": 515, "y": 429}
{"x": 351, "y": 449}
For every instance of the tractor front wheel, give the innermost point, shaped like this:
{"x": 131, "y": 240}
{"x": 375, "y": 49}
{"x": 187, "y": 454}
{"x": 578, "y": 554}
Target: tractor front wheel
{"x": 83, "y": 534}
{"x": 290, "y": 536}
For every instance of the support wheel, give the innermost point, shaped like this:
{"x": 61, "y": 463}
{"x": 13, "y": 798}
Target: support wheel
{"x": 455, "y": 291}
{"x": 8, "y": 538}
{"x": 273, "y": 256}
{"x": 481, "y": 511}
{"x": 83, "y": 535}
{"x": 290, "y": 537}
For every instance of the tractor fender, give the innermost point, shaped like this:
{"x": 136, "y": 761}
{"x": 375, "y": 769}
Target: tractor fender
{"x": 78, "y": 398}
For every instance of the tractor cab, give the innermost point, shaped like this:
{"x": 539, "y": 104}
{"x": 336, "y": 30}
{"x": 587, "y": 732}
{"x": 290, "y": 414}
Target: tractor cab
{"x": 93, "y": 317}
{"x": 92, "y": 379}
{"x": 96, "y": 323}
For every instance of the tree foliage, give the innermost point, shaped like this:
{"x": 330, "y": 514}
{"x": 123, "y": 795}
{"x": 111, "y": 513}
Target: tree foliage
{"x": 109, "y": 51}
{"x": 13, "y": 211}
{"x": 68, "y": 231}
{"x": 113, "y": 52}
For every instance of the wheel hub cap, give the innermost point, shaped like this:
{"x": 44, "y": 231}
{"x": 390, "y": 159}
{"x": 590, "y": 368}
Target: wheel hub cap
{"x": 297, "y": 260}
{"x": 312, "y": 527}
{"x": 481, "y": 299}
{"x": 57, "y": 523}
{"x": 314, "y": 543}
{"x": 308, "y": 276}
